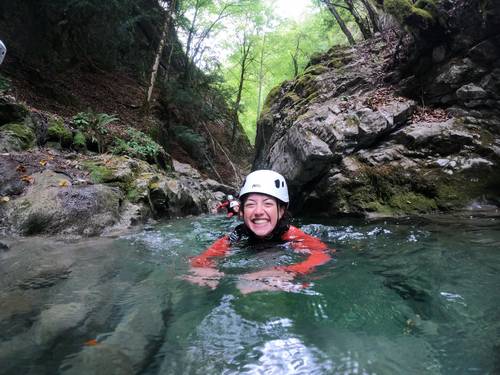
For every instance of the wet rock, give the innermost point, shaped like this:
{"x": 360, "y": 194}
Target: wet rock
{"x": 11, "y": 111}
{"x": 45, "y": 279}
{"x": 10, "y": 183}
{"x": 54, "y": 208}
{"x": 471, "y": 92}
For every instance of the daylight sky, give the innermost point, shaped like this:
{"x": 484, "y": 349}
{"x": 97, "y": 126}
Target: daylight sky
{"x": 294, "y": 9}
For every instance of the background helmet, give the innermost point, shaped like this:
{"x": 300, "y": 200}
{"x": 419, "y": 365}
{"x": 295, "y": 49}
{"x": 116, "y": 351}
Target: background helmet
{"x": 230, "y": 197}
{"x": 234, "y": 203}
{"x": 266, "y": 182}
{"x": 3, "y": 51}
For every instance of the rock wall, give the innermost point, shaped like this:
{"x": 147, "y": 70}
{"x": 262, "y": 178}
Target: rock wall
{"x": 355, "y": 138}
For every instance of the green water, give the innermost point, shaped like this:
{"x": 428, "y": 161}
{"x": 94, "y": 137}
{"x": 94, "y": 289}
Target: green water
{"x": 417, "y": 296}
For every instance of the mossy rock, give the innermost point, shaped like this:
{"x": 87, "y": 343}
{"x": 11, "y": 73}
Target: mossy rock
{"x": 411, "y": 202}
{"x": 399, "y": 9}
{"x": 11, "y": 112}
{"x": 99, "y": 173}
{"x": 56, "y": 131}
{"x": 16, "y": 137}
{"x": 305, "y": 85}
{"x": 412, "y": 16}
{"x": 316, "y": 70}
{"x": 270, "y": 99}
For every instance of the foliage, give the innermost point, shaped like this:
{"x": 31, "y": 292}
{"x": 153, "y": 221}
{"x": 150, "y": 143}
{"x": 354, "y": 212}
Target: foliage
{"x": 138, "y": 145}
{"x": 286, "y": 43}
{"x": 94, "y": 125}
{"x": 22, "y": 132}
{"x": 58, "y": 132}
{"x": 193, "y": 142}
{"x": 79, "y": 141}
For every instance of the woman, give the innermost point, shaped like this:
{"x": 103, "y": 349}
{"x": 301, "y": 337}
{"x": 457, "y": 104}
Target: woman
{"x": 264, "y": 200}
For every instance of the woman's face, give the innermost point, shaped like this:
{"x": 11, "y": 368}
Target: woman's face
{"x": 261, "y": 213}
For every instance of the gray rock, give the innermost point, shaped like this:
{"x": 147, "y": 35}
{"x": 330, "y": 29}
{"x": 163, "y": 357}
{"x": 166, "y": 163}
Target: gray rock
{"x": 471, "y": 92}
{"x": 50, "y": 208}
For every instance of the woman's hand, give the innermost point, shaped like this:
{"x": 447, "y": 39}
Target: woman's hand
{"x": 267, "y": 280}
{"x": 204, "y": 276}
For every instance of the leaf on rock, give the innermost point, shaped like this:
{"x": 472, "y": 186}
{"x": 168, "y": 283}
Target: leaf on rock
{"x": 27, "y": 179}
{"x": 21, "y": 168}
{"x": 64, "y": 183}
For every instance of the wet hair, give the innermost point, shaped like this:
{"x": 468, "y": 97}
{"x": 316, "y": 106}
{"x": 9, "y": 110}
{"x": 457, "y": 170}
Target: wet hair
{"x": 281, "y": 227}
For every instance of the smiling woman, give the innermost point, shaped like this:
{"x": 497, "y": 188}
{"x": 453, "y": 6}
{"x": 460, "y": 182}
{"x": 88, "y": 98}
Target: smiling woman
{"x": 264, "y": 198}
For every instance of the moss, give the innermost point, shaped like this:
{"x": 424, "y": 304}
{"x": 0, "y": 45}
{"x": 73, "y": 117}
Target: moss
{"x": 399, "y": 9}
{"x": 412, "y": 202}
{"x": 99, "y": 173}
{"x": 415, "y": 18}
{"x": 305, "y": 85}
{"x": 336, "y": 62}
{"x": 79, "y": 141}
{"x": 316, "y": 70}
{"x": 271, "y": 97}
{"x": 58, "y": 132}
{"x": 22, "y": 132}
{"x": 133, "y": 195}
{"x": 291, "y": 98}
{"x": 429, "y": 6}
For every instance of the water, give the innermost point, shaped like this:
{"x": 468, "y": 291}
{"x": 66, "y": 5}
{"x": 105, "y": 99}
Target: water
{"x": 414, "y": 296}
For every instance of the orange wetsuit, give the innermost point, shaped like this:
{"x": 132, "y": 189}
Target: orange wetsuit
{"x": 301, "y": 242}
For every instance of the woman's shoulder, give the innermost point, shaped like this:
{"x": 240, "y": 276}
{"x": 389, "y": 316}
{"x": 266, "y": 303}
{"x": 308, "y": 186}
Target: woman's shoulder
{"x": 292, "y": 233}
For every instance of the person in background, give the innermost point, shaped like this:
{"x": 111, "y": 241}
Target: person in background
{"x": 231, "y": 204}
{"x": 3, "y": 52}
{"x": 264, "y": 201}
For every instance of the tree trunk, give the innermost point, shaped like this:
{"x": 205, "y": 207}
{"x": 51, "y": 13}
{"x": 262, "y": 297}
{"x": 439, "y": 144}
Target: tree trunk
{"x": 261, "y": 77}
{"x": 340, "y": 21}
{"x": 362, "y": 22}
{"x": 161, "y": 45}
{"x": 373, "y": 15}
{"x": 246, "y": 47}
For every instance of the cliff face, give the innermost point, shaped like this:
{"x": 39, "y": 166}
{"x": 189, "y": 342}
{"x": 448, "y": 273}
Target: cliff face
{"x": 354, "y": 136}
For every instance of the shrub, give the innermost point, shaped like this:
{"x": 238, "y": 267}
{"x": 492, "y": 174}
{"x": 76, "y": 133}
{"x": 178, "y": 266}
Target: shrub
{"x": 94, "y": 125}
{"x": 138, "y": 145}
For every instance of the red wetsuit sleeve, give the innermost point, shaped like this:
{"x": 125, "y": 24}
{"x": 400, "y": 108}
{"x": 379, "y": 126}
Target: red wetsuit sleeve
{"x": 304, "y": 243}
{"x": 218, "y": 249}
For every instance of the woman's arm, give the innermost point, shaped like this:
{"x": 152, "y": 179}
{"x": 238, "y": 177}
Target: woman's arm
{"x": 218, "y": 249}
{"x": 304, "y": 243}
{"x": 202, "y": 270}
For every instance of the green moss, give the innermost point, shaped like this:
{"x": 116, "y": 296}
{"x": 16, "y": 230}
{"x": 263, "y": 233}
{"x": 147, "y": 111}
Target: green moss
{"x": 79, "y": 141}
{"x": 271, "y": 97}
{"x": 58, "y": 132}
{"x": 25, "y": 135}
{"x": 291, "y": 98}
{"x": 133, "y": 195}
{"x": 399, "y": 9}
{"x": 412, "y": 202}
{"x": 99, "y": 173}
{"x": 429, "y": 6}
{"x": 316, "y": 70}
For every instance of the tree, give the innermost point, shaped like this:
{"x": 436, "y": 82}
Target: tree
{"x": 340, "y": 21}
{"x": 163, "y": 39}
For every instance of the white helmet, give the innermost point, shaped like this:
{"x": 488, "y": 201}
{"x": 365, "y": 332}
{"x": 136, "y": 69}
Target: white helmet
{"x": 266, "y": 182}
{"x": 234, "y": 203}
{"x": 3, "y": 51}
{"x": 230, "y": 197}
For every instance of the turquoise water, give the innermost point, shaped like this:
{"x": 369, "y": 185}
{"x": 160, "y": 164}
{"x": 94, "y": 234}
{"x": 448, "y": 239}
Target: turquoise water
{"x": 408, "y": 296}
